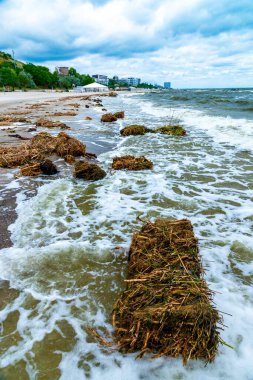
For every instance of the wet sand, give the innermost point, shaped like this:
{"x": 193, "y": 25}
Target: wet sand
{"x": 32, "y": 106}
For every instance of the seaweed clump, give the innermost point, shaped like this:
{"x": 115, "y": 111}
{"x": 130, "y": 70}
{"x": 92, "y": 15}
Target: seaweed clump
{"x": 131, "y": 163}
{"x": 51, "y": 124}
{"x": 39, "y": 147}
{"x": 119, "y": 115}
{"x": 134, "y": 130}
{"x": 108, "y": 118}
{"x": 88, "y": 171}
{"x": 166, "y": 308}
{"x": 45, "y": 167}
{"x": 173, "y": 130}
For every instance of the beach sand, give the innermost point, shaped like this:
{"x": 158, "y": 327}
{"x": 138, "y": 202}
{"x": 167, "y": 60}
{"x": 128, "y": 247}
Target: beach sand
{"x": 32, "y": 106}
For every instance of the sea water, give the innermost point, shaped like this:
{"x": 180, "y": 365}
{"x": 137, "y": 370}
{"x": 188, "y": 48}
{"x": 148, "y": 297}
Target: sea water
{"x": 68, "y": 261}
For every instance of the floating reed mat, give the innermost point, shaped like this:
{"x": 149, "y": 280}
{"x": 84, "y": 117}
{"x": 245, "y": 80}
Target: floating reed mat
{"x": 166, "y": 308}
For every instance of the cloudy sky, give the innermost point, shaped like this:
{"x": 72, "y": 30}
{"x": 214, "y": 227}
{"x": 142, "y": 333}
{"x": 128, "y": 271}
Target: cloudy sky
{"x": 192, "y": 43}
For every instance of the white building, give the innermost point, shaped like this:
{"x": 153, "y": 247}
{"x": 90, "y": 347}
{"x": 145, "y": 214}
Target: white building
{"x": 103, "y": 79}
{"x": 92, "y": 87}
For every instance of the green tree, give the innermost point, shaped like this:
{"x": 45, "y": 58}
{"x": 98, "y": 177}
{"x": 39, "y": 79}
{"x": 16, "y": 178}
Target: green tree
{"x": 8, "y": 77}
{"x": 41, "y": 74}
{"x": 26, "y": 80}
{"x": 86, "y": 79}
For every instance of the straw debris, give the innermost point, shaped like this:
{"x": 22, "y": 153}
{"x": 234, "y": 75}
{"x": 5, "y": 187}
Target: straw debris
{"x": 88, "y": 171}
{"x": 108, "y": 118}
{"x": 173, "y": 130}
{"x": 134, "y": 130}
{"x": 166, "y": 308}
{"x": 131, "y": 163}
{"x": 119, "y": 115}
{"x": 67, "y": 113}
{"x": 39, "y": 147}
{"x": 45, "y": 123}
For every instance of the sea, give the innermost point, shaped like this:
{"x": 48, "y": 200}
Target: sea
{"x": 70, "y": 240}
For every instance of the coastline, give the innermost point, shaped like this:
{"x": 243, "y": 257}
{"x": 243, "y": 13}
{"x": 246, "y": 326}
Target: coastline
{"x": 33, "y": 105}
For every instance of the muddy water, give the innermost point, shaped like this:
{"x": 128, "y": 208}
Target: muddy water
{"x": 70, "y": 240}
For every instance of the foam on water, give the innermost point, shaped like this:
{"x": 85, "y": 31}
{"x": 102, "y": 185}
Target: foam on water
{"x": 70, "y": 242}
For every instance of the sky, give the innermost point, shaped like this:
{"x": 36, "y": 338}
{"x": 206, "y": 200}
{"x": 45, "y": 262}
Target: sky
{"x": 191, "y": 43}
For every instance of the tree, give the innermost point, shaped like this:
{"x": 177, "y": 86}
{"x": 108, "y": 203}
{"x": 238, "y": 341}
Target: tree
{"x": 86, "y": 79}
{"x": 26, "y": 80}
{"x": 8, "y": 77}
{"x": 41, "y": 74}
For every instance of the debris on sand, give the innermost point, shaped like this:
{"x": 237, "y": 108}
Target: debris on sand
{"x": 31, "y": 170}
{"x": 108, "y": 118}
{"x": 88, "y": 171}
{"x": 166, "y": 308}
{"x": 112, "y": 94}
{"x": 131, "y": 163}
{"x": 76, "y": 105}
{"x": 119, "y": 115}
{"x": 173, "y": 130}
{"x": 45, "y": 123}
{"x": 134, "y": 130}
{"x": 88, "y": 118}
{"x": 39, "y": 147}
{"x": 45, "y": 167}
{"x": 17, "y": 136}
{"x": 67, "y": 113}
{"x": 70, "y": 159}
{"x": 13, "y": 119}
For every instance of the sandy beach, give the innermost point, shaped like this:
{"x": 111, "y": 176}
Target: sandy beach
{"x": 29, "y": 107}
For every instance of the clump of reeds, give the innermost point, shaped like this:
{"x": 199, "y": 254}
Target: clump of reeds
{"x": 173, "y": 130}
{"x": 45, "y": 123}
{"x": 135, "y": 130}
{"x": 166, "y": 308}
{"x": 119, "y": 114}
{"x": 108, "y": 118}
{"x": 67, "y": 113}
{"x": 112, "y": 94}
{"x": 89, "y": 171}
{"x": 131, "y": 163}
{"x": 39, "y": 147}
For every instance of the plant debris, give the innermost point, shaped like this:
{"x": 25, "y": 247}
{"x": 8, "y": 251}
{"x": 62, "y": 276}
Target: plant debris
{"x": 134, "y": 130}
{"x": 41, "y": 145}
{"x": 45, "y": 123}
{"x": 119, "y": 115}
{"x": 173, "y": 130}
{"x": 48, "y": 167}
{"x": 88, "y": 118}
{"x": 108, "y": 118}
{"x": 166, "y": 308}
{"x": 67, "y": 113}
{"x": 88, "y": 171}
{"x": 131, "y": 163}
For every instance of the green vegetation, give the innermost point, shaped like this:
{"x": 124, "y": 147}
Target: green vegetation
{"x": 16, "y": 74}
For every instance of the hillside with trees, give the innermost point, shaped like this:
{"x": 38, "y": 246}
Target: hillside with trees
{"x": 16, "y": 74}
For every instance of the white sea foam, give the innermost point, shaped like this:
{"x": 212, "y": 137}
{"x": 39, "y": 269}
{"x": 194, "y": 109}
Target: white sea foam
{"x": 69, "y": 238}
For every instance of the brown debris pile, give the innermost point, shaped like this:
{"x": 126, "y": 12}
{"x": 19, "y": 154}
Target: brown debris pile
{"x": 76, "y": 105}
{"x": 40, "y": 146}
{"x": 134, "y": 130}
{"x": 13, "y": 119}
{"x": 88, "y": 171}
{"x": 113, "y": 94}
{"x": 45, "y": 167}
{"x": 67, "y": 113}
{"x": 119, "y": 115}
{"x": 166, "y": 308}
{"x": 131, "y": 163}
{"x": 172, "y": 130}
{"x": 45, "y": 123}
{"x": 88, "y": 118}
{"x": 108, "y": 118}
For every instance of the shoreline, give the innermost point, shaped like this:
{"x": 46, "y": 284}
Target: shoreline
{"x": 40, "y": 104}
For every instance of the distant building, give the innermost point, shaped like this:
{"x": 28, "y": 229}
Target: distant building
{"x": 102, "y": 79}
{"x": 62, "y": 70}
{"x": 131, "y": 81}
{"x": 116, "y": 78}
{"x": 167, "y": 85}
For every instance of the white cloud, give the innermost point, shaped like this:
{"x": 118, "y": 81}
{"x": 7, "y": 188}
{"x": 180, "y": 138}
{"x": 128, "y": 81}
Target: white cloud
{"x": 190, "y": 42}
